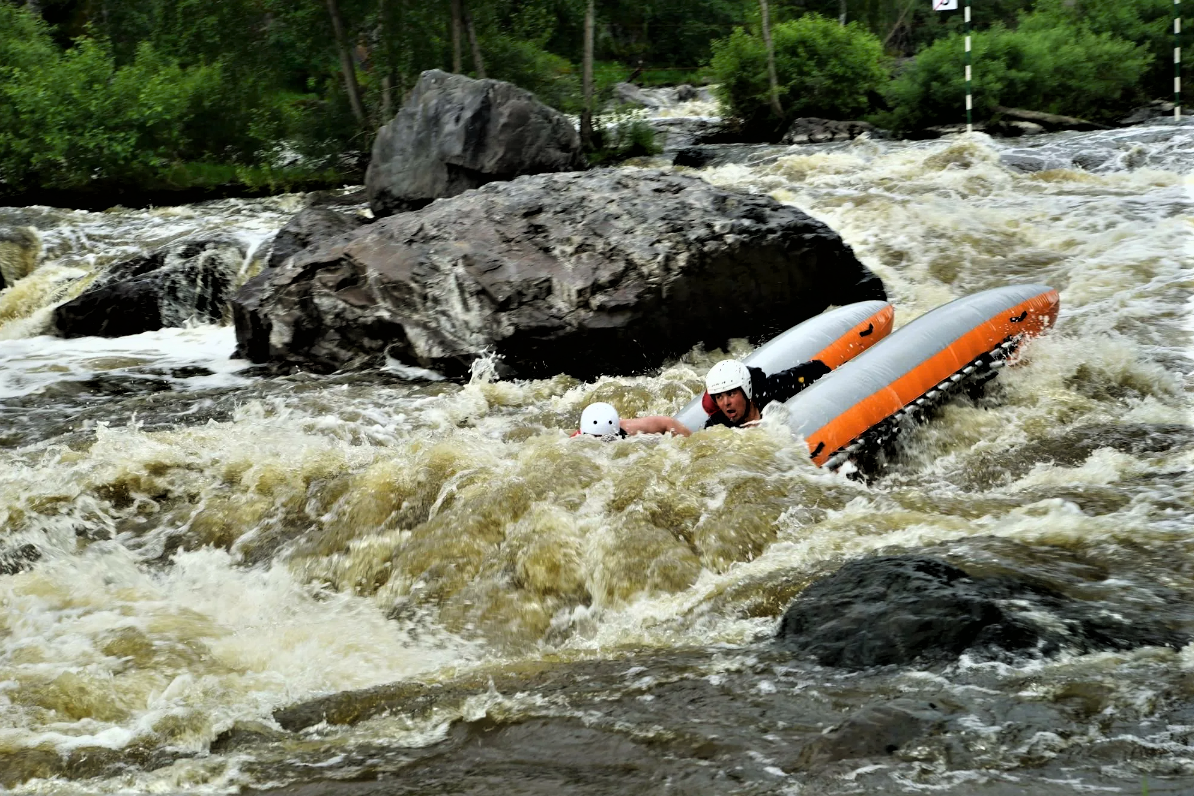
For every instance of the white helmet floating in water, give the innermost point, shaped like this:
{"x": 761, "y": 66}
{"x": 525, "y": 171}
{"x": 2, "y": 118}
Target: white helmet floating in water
{"x": 600, "y": 419}
{"x": 729, "y": 374}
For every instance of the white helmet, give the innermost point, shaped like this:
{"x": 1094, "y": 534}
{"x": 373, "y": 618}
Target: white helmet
{"x": 729, "y": 374}
{"x": 600, "y": 419}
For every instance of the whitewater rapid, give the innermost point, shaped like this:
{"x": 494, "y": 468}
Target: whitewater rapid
{"x": 191, "y": 545}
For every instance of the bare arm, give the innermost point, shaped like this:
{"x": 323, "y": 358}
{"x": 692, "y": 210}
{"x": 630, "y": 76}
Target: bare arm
{"x": 654, "y": 424}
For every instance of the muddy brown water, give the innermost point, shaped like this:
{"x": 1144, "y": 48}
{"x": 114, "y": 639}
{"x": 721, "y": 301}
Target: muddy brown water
{"x": 216, "y": 580}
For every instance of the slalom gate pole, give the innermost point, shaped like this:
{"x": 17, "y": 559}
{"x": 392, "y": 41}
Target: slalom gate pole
{"x": 969, "y": 100}
{"x": 1177, "y": 60}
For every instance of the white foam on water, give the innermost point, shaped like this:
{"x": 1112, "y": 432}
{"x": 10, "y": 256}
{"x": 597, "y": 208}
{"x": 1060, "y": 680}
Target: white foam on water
{"x": 176, "y": 656}
{"x": 29, "y": 365}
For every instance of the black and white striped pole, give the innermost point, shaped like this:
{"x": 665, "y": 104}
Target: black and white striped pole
{"x": 1177, "y": 60}
{"x": 969, "y": 100}
{"x": 952, "y": 5}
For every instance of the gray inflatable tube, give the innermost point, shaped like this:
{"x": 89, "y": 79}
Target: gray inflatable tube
{"x": 925, "y": 355}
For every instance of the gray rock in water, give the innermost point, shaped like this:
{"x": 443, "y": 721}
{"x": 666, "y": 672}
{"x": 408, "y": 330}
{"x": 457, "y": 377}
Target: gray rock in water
{"x": 1029, "y": 161}
{"x": 680, "y": 132}
{"x": 184, "y": 281}
{"x": 630, "y": 94}
{"x": 658, "y": 97}
{"x": 874, "y": 731}
{"x": 611, "y": 271}
{"x": 1012, "y": 128}
{"x": 899, "y": 610}
{"x": 18, "y": 559}
{"x": 811, "y": 130}
{"x": 455, "y": 133}
{"x": 311, "y": 226}
{"x": 1154, "y": 110}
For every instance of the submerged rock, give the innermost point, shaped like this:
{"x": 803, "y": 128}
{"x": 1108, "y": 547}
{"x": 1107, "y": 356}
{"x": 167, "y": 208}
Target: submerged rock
{"x": 611, "y": 271}
{"x": 455, "y": 133}
{"x": 1049, "y": 121}
{"x": 898, "y": 610}
{"x": 185, "y": 281}
{"x": 874, "y": 731}
{"x": 311, "y": 226}
{"x": 18, "y": 559}
{"x": 20, "y": 249}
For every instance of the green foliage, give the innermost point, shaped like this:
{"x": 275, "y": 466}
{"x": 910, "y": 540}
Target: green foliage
{"x": 626, "y": 136}
{"x": 552, "y": 79}
{"x": 1053, "y": 68}
{"x": 668, "y": 33}
{"x": 1143, "y": 22}
{"x": 824, "y": 69}
{"x": 165, "y": 91}
{"x": 905, "y": 26}
{"x": 75, "y": 117}
{"x": 25, "y": 41}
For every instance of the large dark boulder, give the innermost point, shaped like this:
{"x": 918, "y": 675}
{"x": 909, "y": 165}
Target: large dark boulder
{"x": 311, "y": 226}
{"x": 455, "y": 133}
{"x": 188, "y": 280}
{"x": 610, "y": 271}
{"x": 898, "y": 610}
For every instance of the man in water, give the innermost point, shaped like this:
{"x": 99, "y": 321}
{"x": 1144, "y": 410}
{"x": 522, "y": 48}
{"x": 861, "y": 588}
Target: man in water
{"x": 736, "y": 394}
{"x": 735, "y": 397}
{"x": 601, "y": 420}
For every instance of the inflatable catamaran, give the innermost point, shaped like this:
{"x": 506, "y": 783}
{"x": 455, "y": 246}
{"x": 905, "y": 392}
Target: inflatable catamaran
{"x": 861, "y": 405}
{"x": 833, "y": 337}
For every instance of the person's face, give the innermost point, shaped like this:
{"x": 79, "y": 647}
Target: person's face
{"x": 733, "y": 404}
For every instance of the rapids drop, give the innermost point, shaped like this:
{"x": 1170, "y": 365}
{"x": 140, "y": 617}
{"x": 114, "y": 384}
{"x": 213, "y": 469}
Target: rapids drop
{"x": 189, "y": 545}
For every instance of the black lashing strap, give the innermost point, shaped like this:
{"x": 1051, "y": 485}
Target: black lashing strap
{"x": 869, "y": 329}
{"x": 1020, "y": 317}
{"x": 820, "y": 447}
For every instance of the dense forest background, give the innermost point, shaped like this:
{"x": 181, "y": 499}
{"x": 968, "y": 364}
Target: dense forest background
{"x": 275, "y": 94}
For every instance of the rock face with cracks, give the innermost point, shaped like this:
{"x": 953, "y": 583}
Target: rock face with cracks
{"x": 184, "y": 281}
{"x": 899, "y": 610}
{"x": 311, "y": 226}
{"x": 455, "y": 133}
{"x": 610, "y": 271}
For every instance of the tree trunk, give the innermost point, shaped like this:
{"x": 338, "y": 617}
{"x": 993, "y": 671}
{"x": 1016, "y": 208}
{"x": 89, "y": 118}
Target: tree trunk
{"x": 346, "y": 65}
{"x": 457, "y": 16}
{"x": 478, "y": 64}
{"x": 771, "y": 76}
{"x": 841, "y": 16}
{"x": 899, "y": 23}
{"x": 586, "y": 116}
{"x": 384, "y": 36}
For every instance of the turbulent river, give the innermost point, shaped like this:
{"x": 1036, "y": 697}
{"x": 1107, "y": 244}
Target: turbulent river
{"x": 189, "y": 544}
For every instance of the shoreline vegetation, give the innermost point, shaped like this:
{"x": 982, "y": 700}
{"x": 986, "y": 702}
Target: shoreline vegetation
{"x": 176, "y": 101}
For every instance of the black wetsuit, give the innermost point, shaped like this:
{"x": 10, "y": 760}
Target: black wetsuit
{"x": 776, "y": 387}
